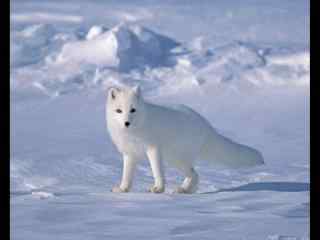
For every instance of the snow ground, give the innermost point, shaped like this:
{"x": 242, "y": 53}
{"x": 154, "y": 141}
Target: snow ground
{"x": 243, "y": 65}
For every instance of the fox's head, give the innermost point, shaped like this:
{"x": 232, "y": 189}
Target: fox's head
{"x": 125, "y": 106}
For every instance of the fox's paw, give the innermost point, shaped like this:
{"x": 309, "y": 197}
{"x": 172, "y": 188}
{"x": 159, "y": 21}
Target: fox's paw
{"x": 118, "y": 189}
{"x": 156, "y": 189}
{"x": 182, "y": 190}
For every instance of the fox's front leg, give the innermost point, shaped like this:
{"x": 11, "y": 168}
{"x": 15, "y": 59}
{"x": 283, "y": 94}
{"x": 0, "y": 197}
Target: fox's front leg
{"x": 155, "y": 160}
{"x": 129, "y": 166}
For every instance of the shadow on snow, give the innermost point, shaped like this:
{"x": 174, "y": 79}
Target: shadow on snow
{"x": 268, "y": 186}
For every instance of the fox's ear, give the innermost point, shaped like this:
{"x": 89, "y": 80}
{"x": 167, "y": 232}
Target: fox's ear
{"x": 136, "y": 90}
{"x": 113, "y": 92}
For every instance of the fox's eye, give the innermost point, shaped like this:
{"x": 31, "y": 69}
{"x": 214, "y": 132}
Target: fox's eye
{"x": 132, "y": 110}
{"x": 119, "y": 111}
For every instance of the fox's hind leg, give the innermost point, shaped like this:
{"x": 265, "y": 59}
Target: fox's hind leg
{"x": 190, "y": 183}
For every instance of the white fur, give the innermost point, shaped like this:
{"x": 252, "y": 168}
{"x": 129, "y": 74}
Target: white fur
{"x": 177, "y": 135}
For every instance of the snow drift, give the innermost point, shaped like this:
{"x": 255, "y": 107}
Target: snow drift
{"x": 47, "y": 62}
{"x": 123, "y": 47}
{"x": 31, "y": 44}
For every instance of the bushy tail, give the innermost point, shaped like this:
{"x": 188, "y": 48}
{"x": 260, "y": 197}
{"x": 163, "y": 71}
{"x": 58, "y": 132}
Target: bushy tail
{"x": 220, "y": 151}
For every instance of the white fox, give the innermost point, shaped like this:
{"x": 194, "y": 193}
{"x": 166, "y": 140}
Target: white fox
{"x": 177, "y": 135}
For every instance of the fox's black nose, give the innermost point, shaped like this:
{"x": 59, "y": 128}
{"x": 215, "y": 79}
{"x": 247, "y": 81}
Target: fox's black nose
{"x": 127, "y": 124}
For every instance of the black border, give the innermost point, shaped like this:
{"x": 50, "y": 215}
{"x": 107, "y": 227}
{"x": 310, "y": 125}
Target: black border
{"x": 5, "y": 120}
{"x": 314, "y": 124}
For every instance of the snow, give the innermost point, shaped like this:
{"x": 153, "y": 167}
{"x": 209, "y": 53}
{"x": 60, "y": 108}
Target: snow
{"x": 45, "y": 17}
{"x": 123, "y": 47}
{"x": 245, "y": 66}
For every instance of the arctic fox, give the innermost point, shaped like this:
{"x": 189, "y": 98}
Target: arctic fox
{"x": 177, "y": 135}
